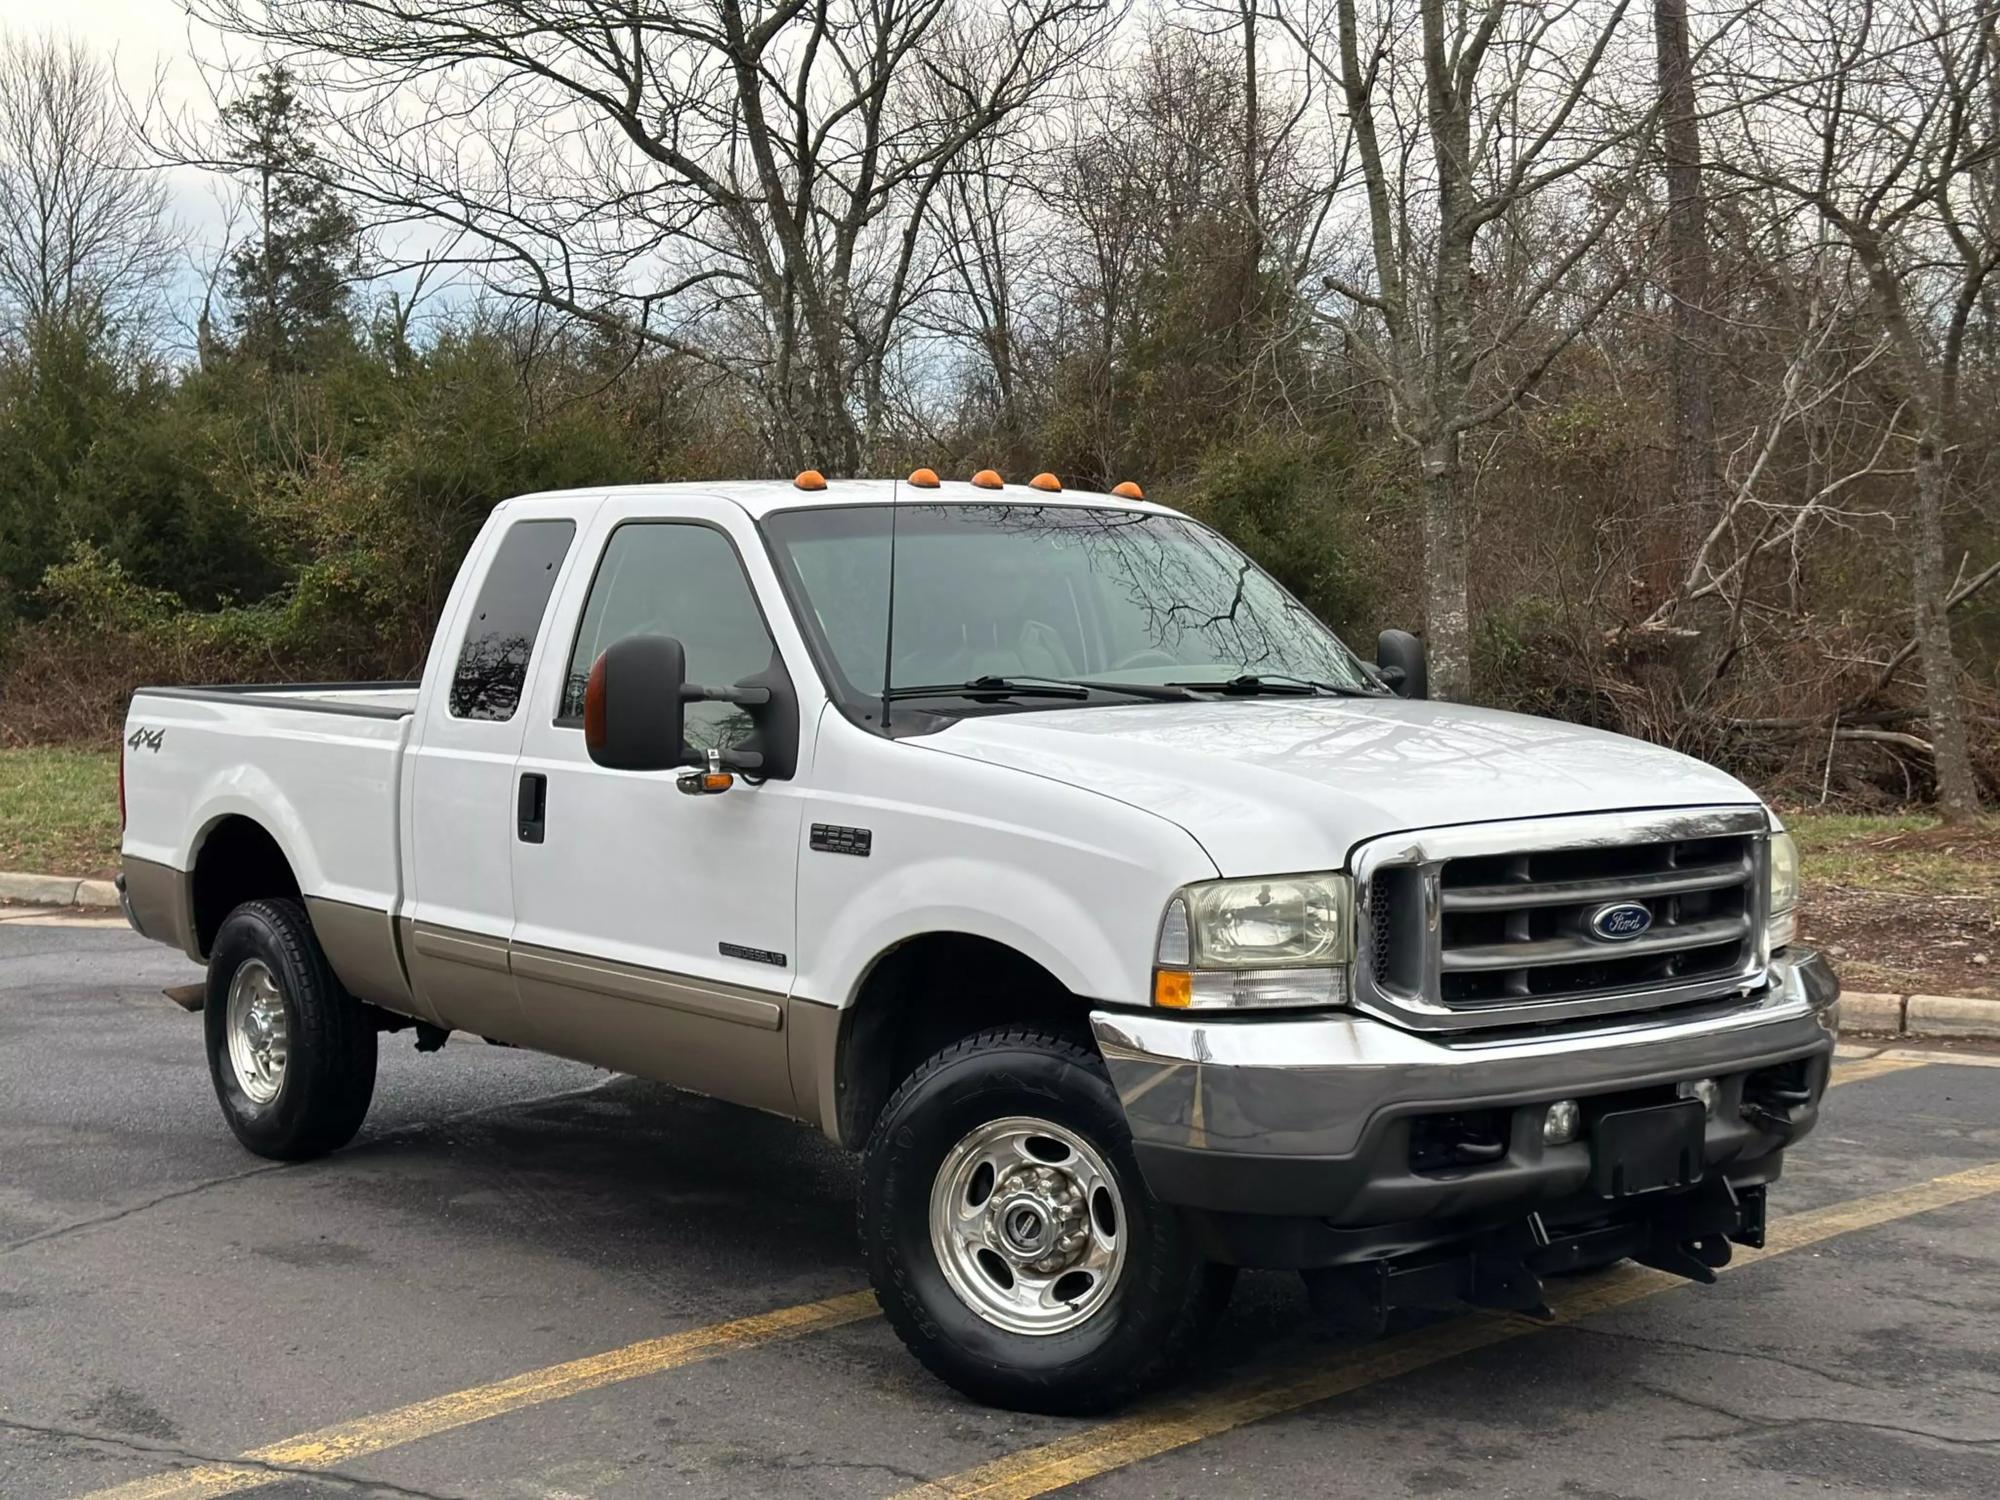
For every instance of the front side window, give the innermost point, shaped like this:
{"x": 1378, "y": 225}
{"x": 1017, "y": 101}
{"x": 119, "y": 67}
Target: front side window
{"x": 680, "y": 579}
{"x": 1076, "y": 593}
{"x": 506, "y": 618}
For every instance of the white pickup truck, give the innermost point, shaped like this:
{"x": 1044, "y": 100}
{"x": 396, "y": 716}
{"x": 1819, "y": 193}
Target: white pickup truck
{"x": 1042, "y": 849}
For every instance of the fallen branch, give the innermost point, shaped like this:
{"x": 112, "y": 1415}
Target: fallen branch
{"x": 1908, "y": 649}
{"x": 1887, "y": 737}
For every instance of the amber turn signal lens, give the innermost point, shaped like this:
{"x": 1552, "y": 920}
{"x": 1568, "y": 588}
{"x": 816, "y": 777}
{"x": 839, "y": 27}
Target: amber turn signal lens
{"x": 717, "y": 781}
{"x": 1046, "y": 481}
{"x": 1173, "y": 988}
{"x": 987, "y": 479}
{"x": 1125, "y": 489}
{"x": 923, "y": 479}
{"x": 809, "y": 479}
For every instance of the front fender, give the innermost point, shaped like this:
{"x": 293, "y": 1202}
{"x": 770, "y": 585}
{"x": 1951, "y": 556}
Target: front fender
{"x": 954, "y": 894}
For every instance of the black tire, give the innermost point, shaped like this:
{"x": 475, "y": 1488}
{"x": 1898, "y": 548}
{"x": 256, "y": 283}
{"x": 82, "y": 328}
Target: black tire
{"x": 329, "y": 1070}
{"x": 1163, "y": 1302}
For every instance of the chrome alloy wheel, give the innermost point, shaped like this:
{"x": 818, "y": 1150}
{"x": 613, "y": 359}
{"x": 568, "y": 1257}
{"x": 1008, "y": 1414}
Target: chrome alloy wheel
{"x": 258, "y": 1035}
{"x": 1027, "y": 1225}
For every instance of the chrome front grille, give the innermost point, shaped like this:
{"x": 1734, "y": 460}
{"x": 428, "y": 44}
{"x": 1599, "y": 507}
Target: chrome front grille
{"x": 1492, "y": 924}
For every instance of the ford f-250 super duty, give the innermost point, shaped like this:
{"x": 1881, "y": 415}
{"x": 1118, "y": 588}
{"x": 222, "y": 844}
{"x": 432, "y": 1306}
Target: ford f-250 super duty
{"x": 1043, "y": 849}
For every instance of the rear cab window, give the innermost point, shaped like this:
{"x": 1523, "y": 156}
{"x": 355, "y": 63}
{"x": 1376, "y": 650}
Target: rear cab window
{"x": 507, "y": 619}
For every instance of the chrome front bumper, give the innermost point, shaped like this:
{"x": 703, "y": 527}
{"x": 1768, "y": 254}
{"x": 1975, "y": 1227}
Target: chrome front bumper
{"x": 1312, "y": 1117}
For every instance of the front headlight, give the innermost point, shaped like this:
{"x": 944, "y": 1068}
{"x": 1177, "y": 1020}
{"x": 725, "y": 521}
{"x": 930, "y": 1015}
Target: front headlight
{"x": 1266, "y": 943}
{"x": 1784, "y": 890}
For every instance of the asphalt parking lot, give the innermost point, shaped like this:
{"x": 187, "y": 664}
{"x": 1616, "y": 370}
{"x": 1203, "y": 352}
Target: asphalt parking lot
{"x": 529, "y": 1279}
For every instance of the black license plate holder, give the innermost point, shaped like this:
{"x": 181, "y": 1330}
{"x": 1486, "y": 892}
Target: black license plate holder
{"x": 1652, "y": 1150}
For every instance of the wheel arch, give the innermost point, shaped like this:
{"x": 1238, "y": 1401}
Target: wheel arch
{"x": 887, "y": 1029}
{"x": 235, "y": 859}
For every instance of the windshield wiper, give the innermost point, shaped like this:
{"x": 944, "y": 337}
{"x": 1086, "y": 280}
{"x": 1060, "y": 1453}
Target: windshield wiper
{"x": 1278, "y": 684}
{"x": 991, "y": 685}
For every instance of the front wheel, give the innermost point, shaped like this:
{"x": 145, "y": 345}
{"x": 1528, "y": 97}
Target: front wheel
{"x": 1010, "y": 1237}
{"x": 291, "y": 1053}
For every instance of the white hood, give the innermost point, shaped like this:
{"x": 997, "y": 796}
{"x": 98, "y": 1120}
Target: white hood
{"x": 1279, "y": 784}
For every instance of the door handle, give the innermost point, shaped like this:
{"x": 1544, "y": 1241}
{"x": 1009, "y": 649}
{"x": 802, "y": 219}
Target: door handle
{"x": 531, "y": 807}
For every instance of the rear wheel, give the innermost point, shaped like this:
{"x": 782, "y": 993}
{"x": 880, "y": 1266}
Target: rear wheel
{"x": 1011, "y": 1239}
{"x": 291, "y": 1053}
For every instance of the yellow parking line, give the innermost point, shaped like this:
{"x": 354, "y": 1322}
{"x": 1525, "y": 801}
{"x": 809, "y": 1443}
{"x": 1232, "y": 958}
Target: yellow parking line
{"x": 1145, "y": 1434}
{"x": 1950, "y": 1059}
{"x": 331, "y": 1446}
{"x": 1875, "y": 1067}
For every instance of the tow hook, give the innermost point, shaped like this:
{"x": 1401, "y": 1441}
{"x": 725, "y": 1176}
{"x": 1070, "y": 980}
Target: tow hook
{"x": 1773, "y": 1097}
{"x": 1777, "y": 1122}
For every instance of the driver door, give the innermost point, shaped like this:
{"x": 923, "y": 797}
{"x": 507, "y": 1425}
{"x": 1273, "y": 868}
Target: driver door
{"x": 653, "y": 931}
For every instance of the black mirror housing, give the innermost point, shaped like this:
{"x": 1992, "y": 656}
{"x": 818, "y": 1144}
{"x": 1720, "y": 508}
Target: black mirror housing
{"x": 634, "y": 717}
{"x": 1400, "y": 658}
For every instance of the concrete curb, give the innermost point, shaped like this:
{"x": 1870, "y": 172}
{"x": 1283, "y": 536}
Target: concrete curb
{"x": 1936, "y": 1016}
{"x": 56, "y": 890}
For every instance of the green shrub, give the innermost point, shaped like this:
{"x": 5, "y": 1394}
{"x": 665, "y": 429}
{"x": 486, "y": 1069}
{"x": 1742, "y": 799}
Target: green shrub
{"x": 1299, "y": 506}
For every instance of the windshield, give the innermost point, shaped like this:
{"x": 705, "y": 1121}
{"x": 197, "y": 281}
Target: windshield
{"x": 1040, "y": 592}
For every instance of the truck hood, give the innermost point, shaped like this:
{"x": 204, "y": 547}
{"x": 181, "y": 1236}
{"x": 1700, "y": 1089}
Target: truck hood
{"x": 1278, "y": 784}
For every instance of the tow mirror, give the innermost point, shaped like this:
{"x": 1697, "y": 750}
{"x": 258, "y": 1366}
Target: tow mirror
{"x": 1399, "y": 656}
{"x": 633, "y": 705}
{"x": 635, "y": 714}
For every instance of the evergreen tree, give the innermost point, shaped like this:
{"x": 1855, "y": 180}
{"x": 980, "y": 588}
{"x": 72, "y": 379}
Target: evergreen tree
{"x": 289, "y": 280}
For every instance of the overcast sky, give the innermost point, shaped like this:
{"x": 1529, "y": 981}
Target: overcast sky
{"x": 145, "y": 40}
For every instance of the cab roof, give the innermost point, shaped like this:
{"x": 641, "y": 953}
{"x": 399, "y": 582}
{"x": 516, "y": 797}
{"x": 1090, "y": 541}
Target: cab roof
{"x": 763, "y": 497}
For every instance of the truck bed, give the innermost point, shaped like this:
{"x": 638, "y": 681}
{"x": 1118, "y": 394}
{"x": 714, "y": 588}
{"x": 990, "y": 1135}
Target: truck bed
{"x": 317, "y": 764}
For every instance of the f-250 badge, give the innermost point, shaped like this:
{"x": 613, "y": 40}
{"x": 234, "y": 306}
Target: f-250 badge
{"x": 142, "y": 738}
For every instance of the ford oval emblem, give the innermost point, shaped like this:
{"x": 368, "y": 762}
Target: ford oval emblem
{"x": 1621, "y": 921}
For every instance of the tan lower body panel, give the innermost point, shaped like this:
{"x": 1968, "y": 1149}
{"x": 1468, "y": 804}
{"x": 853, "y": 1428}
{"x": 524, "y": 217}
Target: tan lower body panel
{"x": 462, "y": 980}
{"x": 162, "y": 903}
{"x": 814, "y": 1056}
{"x": 718, "y": 1039}
{"x": 360, "y": 944}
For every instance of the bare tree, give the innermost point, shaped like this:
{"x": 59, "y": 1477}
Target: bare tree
{"x": 83, "y": 230}
{"x": 985, "y": 264}
{"x": 1687, "y": 263}
{"x": 1885, "y": 127}
{"x": 1818, "y": 403}
{"x": 751, "y": 183}
{"x": 1466, "y": 126}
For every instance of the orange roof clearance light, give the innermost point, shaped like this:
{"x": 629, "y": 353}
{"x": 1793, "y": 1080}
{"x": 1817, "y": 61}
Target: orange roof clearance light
{"x": 1046, "y": 481}
{"x": 923, "y": 479}
{"x": 987, "y": 479}
{"x": 1125, "y": 489}
{"x": 809, "y": 479}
